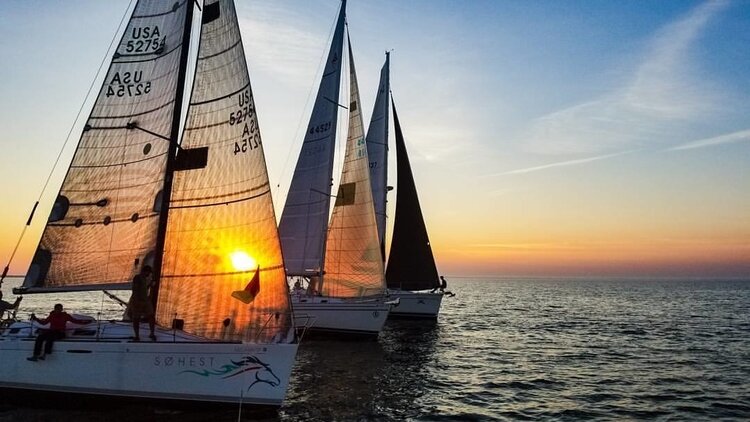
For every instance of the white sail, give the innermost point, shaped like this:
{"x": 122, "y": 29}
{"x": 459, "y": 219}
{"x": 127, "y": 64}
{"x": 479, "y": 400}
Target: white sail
{"x": 304, "y": 221}
{"x": 353, "y": 264}
{"x": 221, "y": 209}
{"x": 377, "y": 151}
{"x": 207, "y": 203}
{"x": 103, "y": 225}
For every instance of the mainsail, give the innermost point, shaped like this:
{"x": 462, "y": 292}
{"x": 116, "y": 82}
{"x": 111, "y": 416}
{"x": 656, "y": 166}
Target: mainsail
{"x": 222, "y": 229}
{"x": 103, "y": 225}
{"x": 304, "y": 221}
{"x": 353, "y": 263}
{"x": 411, "y": 265}
{"x": 377, "y": 151}
{"x": 217, "y": 227}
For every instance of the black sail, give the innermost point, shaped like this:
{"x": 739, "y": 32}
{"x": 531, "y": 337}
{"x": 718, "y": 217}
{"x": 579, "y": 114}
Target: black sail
{"x": 411, "y": 265}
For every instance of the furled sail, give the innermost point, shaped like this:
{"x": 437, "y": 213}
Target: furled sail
{"x": 304, "y": 221}
{"x": 411, "y": 265}
{"x": 222, "y": 271}
{"x": 103, "y": 225}
{"x": 353, "y": 263}
{"x": 377, "y": 151}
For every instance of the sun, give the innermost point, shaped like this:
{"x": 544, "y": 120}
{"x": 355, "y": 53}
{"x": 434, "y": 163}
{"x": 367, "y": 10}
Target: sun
{"x": 242, "y": 261}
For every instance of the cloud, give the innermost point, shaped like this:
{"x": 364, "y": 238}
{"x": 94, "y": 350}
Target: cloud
{"x": 729, "y": 138}
{"x": 660, "y": 96}
{"x": 282, "y": 43}
{"x": 562, "y": 164}
{"x": 535, "y": 246}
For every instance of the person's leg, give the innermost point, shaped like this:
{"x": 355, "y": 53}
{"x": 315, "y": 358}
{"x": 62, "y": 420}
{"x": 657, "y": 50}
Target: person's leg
{"x": 38, "y": 343}
{"x": 136, "y": 327}
{"x": 151, "y": 324}
{"x": 53, "y": 335}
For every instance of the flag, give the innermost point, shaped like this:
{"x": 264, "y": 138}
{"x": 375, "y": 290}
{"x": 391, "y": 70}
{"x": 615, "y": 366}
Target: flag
{"x": 251, "y": 290}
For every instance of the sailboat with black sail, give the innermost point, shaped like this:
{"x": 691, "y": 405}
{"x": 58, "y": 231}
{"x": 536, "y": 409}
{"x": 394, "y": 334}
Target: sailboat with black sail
{"x": 192, "y": 203}
{"x": 340, "y": 262}
{"x": 411, "y": 272}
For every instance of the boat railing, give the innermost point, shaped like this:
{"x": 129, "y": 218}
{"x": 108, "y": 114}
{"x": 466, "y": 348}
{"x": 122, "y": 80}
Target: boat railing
{"x": 308, "y": 322}
{"x": 265, "y": 327}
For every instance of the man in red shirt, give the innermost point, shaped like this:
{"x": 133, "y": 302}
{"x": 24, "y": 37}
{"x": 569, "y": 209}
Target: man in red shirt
{"x": 57, "y": 320}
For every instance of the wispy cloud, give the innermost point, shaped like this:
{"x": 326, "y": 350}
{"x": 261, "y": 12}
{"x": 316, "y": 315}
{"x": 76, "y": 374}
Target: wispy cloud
{"x": 661, "y": 93}
{"x": 729, "y": 138}
{"x": 562, "y": 164}
{"x": 282, "y": 42}
{"x": 535, "y": 246}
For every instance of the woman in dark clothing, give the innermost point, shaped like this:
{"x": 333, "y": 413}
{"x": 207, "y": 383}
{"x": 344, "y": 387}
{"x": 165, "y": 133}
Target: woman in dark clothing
{"x": 57, "y": 320}
{"x": 140, "y": 306}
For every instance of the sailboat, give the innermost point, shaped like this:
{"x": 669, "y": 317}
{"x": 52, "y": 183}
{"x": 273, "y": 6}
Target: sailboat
{"x": 340, "y": 262}
{"x": 411, "y": 273}
{"x": 199, "y": 212}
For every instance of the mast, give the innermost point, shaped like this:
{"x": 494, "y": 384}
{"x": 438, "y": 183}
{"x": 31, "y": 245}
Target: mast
{"x": 172, "y": 151}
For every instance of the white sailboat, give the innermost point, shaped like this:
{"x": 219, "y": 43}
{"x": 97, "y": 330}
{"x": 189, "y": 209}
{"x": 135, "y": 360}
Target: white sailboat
{"x": 411, "y": 273}
{"x": 198, "y": 211}
{"x": 340, "y": 261}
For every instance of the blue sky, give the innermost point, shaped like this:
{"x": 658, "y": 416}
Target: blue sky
{"x": 545, "y": 136}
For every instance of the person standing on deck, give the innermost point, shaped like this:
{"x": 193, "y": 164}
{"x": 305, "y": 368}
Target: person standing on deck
{"x": 139, "y": 305}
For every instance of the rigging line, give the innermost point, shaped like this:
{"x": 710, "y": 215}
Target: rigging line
{"x": 321, "y": 61}
{"x": 67, "y": 138}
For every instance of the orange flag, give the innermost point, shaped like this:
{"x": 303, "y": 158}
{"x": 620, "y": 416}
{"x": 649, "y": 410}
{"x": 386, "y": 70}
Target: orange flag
{"x": 251, "y": 290}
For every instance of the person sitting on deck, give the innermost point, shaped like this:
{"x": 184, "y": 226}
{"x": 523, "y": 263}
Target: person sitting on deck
{"x": 442, "y": 287}
{"x": 57, "y": 320}
{"x": 297, "y": 289}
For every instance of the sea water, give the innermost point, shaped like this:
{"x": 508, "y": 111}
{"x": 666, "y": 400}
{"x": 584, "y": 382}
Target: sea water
{"x": 508, "y": 349}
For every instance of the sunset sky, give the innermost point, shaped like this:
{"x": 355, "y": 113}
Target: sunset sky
{"x": 546, "y": 138}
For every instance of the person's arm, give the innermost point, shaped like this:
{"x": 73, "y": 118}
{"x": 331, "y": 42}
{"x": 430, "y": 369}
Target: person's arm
{"x": 76, "y": 320}
{"x": 40, "y": 321}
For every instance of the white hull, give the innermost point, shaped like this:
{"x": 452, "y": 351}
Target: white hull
{"x": 415, "y": 304}
{"x": 338, "y": 316}
{"x": 175, "y": 367}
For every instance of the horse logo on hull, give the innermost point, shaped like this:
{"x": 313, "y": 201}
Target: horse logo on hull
{"x": 263, "y": 372}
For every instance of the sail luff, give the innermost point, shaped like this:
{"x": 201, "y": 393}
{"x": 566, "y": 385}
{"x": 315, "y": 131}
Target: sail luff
{"x": 377, "y": 151}
{"x": 304, "y": 220}
{"x": 174, "y": 135}
{"x": 353, "y": 265}
{"x": 411, "y": 264}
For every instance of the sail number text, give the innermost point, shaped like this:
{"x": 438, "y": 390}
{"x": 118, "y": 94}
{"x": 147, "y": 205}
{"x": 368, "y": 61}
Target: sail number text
{"x": 145, "y": 40}
{"x": 250, "y": 138}
{"x": 319, "y": 128}
{"x": 128, "y": 84}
